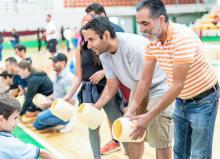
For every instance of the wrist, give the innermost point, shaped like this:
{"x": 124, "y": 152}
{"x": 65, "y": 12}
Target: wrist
{"x": 150, "y": 115}
{"x": 131, "y": 111}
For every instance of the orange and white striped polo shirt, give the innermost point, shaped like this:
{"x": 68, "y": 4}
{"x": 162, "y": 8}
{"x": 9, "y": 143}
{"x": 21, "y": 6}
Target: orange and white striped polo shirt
{"x": 183, "y": 46}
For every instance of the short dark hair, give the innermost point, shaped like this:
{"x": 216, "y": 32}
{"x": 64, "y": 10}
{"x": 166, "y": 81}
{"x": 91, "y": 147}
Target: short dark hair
{"x": 8, "y": 105}
{"x": 5, "y": 74}
{"x": 49, "y": 15}
{"x": 156, "y": 7}
{"x": 20, "y": 47}
{"x": 96, "y": 7}
{"x": 11, "y": 60}
{"x": 100, "y": 25}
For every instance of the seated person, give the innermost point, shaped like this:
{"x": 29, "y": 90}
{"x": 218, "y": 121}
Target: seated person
{"x": 61, "y": 84}
{"x": 37, "y": 82}
{"x": 11, "y": 147}
{"x": 18, "y": 83}
{"x": 7, "y": 80}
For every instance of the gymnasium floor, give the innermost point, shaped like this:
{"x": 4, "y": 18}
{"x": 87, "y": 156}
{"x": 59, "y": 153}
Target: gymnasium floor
{"x": 75, "y": 144}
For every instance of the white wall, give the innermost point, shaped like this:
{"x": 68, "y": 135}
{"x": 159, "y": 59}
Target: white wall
{"x": 30, "y": 14}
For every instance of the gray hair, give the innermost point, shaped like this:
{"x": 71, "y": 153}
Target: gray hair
{"x": 156, "y": 7}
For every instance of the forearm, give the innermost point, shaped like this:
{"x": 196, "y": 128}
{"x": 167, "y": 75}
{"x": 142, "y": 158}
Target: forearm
{"x": 24, "y": 108}
{"x": 166, "y": 100}
{"x": 75, "y": 86}
{"x": 142, "y": 108}
{"x": 107, "y": 94}
{"x": 138, "y": 96}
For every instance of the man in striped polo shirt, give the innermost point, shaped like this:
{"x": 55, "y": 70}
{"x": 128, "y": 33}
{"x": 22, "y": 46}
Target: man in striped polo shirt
{"x": 191, "y": 78}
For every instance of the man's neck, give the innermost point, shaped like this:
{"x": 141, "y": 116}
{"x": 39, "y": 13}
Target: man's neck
{"x": 163, "y": 36}
{"x": 113, "y": 46}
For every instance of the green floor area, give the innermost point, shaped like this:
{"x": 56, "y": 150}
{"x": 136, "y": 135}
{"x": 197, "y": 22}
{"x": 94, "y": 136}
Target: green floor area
{"x": 211, "y": 39}
{"x": 34, "y": 43}
{"x": 24, "y": 137}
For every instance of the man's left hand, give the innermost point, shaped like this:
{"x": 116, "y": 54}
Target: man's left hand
{"x": 141, "y": 123}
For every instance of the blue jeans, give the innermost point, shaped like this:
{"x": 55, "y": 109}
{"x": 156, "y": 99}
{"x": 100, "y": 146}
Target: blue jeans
{"x": 47, "y": 120}
{"x": 194, "y": 123}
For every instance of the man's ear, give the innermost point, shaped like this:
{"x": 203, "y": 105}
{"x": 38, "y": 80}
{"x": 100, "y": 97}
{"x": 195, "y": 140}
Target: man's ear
{"x": 1, "y": 118}
{"x": 102, "y": 15}
{"x": 162, "y": 18}
{"x": 106, "y": 35}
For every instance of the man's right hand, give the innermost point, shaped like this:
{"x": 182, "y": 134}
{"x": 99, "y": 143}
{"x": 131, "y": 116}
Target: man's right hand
{"x": 66, "y": 97}
{"x": 46, "y": 104}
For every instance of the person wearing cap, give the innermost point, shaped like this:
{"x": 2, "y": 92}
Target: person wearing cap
{"x": 37, "y": 82}
{"x": 61, "y": 84}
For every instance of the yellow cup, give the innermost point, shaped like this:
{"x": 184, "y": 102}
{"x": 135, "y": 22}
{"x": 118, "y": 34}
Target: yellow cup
{"x": 89, "y": 115}
{"x": 39, "y": 99}
{"x": 122, "y": 128}
{"x": 62, "y": 109}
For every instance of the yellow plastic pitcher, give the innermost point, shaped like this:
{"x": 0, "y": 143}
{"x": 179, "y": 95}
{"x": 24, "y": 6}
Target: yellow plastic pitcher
{"x": 89, "y": 115}
{"x": 62, "y": 109}
{"x": 122, "y": 128}
{"x": 39, "y": 99}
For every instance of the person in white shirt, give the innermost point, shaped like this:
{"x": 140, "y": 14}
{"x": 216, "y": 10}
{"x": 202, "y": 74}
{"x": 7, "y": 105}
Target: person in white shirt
{"x": 51, "y": 35}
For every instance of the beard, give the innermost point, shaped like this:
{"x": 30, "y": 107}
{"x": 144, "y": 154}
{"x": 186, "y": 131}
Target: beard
{"x": 151, "y": 37}
{"x": 154, "y": 34}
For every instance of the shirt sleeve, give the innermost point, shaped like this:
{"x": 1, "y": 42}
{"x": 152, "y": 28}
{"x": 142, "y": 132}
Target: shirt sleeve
{"x": 109, "y": 73}
{"x": 28, "y": 151}
{"x": 14, "y": 148}
{"x": 148, "y": 53}
{"x": 185, "y": 50}
{"x": 32, "y": 88}
{"x": 67, "y": 83}
{"x": 136, "y": 61}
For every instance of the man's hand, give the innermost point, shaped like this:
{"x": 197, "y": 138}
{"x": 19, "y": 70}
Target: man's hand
{"x": 46, "y": 104}
{"x": 141, "y": 124}
{"x": 97, "y": 107}
{"x": 67, "y": 97}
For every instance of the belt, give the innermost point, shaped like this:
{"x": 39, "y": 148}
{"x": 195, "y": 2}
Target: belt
{"x": 203, "y": 94}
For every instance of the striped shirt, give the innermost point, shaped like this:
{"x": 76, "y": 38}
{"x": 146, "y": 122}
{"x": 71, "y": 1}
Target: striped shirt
{"x": 182, "y": 46}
